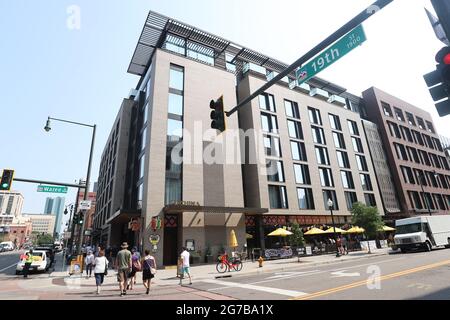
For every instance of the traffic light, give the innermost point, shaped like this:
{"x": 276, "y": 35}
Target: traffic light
{"x": 76, "y": 217}
{"x": 438, "y": 82}
{"x": 81, "y": 218}
{"x": 7, "y": 179}
{"x": 217, "y": 114}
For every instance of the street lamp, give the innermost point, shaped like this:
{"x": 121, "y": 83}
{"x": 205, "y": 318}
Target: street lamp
{"x": 88, "y": 176}
{"x": 330, "y": 206}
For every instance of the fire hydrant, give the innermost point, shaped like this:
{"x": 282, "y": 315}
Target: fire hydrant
{"x": 260, "y": 261}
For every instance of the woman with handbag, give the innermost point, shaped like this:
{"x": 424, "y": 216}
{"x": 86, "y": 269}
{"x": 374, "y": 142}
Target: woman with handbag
{"x": 135, "y": 267}
{"x": 149, "y": 269}
{"x": 100, "y": 269}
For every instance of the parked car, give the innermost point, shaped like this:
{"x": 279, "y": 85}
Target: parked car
{"x": 48, "y": 249}
{"x": 7, "y": 246}
{"x": 41, "y": 262}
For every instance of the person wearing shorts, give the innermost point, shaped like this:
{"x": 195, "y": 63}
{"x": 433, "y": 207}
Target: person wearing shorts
{"x": 123, "y": 263}
{"x": 185, "y": 258}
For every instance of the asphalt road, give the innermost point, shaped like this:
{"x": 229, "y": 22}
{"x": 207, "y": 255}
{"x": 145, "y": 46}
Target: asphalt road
{"x": 8, "y": 262}
{"x": 419, "y": 275}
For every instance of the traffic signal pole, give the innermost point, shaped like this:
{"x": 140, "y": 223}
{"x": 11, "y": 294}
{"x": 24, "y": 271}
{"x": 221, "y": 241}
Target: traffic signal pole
{"x": 349, "y": 26}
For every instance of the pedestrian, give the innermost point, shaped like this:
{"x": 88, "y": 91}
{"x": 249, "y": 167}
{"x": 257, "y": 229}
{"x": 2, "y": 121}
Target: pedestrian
{"x": 135, "y": 267}
{"x": 149, "y": 270}
{"x": 185, "y": 263}
{"x": 89, "y": 261}
{"x": 123, "y": 265}
{"x": 344, "y": 245}
{"x": 28, "y": 262}
{"x": 101, "y": 269}
{"x": 339, "y": 244}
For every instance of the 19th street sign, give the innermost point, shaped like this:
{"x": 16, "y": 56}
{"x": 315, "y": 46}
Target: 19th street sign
{"x": 52, "y": 189}
{"x": 343, "y": 46}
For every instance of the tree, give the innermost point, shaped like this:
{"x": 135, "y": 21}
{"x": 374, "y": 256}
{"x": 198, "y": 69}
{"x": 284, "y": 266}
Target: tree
{"x": 44, "y": 239}
{"x": 296, "y": 239}
{"x": 367, "y": 218}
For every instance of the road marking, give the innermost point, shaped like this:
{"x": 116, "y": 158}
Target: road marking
{"x": 340, "y": 274}
{"x": 15, "y": 264}
{"x": 289, "y": 293}
{"x": 279, "y": 275}
{"x": 364, "y": 282}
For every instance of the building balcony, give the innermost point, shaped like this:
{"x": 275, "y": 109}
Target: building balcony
{"x": 319, "y": 94}
{"x": 335, "y": 99}
{"x": 304, "y": 87}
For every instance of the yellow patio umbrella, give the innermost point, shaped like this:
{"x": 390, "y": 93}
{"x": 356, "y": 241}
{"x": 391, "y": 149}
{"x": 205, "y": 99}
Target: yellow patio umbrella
{"x": 386, "y": 228}
{"x": 280, "y": 232}
{"x": 314, "y": 231}
{"x": 233, "y": 240}
{"x": 355, "y": 229}
{"x": 338, "y": 230}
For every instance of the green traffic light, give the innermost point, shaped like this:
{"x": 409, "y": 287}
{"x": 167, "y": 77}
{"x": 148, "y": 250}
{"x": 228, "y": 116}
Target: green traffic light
{"x": 5, "y": 185}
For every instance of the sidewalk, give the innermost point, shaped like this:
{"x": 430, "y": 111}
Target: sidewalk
{"x": 167, "y": 277}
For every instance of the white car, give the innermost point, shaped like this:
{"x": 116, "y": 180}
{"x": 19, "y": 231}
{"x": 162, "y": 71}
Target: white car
{"x": 40, "y": 262}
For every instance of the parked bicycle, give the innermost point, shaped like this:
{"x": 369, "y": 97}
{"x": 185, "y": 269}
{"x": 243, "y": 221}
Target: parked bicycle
{"x": 226, "y": 264}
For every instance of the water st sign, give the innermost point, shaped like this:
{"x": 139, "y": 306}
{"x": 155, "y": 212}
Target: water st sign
{"x": 52, "y": 189}
{"x": 343, "y": 46}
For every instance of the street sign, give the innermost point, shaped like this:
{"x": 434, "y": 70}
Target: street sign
{"x": 343, "y": 46}
{"x": 85, "y": 204}
{"x": 51, "y": 189}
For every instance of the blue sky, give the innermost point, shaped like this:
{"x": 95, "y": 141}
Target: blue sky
{"x": 48, "y": 69}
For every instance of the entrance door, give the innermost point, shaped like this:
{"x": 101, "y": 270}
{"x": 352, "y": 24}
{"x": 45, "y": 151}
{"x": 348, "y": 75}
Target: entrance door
{"x": 170, "y": 240}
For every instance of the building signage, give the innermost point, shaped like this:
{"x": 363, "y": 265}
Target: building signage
{"x": 347, "y": 43}
{"x": 51, "y": 189}
{"x": 187, "y": 203}
{"x": 85, "y": 204}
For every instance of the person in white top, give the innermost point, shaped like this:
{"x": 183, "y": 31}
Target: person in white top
{"x": 185, "y": 258}
{"x": 89, "y": 260}
{"x": 101, "y": 269}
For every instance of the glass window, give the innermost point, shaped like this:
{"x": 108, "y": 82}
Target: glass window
{"x": 430, "y": 127}
{"x": 421, "y": 123}
{"x": 350, "y": 199}
{"x": 295, "y": 129}
{"x": 335, "y": 122}
{"x": 301, "y": 174}
{"x": 357, "y": 145}
{"x": 401, "y": 151}
{"x": 394, "y": 130}
{"x": 399, "y": 114}
{"x": 175, "y": 44}
{"x": 176, "y": 77}
{"x": 318, "y": 135}
{"x": 305, "y": 199}
{"x": 267, "y": 102}
{"x": 202, "y": 53}
{"x": 370, "y": 199}
{"x": 269, "y": 123}
{"x": 322, "y": 156}
{"x": 140, "y": 195}
{"x": 272, "y": 146}
{"x": 386, "y": 109}
{"x": 338, "y": 140}
{"x": 145, "y": 116}
{"x": 176, "y": 104}
{"x": 275, "y": 171}
{"x": 330, "y": 195}
{"x": 314, "y": 116}
{"x": 353, "y": 127}
{"x": 410, "y": 118}
{"x": 174, "y": 129}
{"x": 365, "y": 182}
{"x": 326, "y": 177}
{"x": 291, "y": 109}
{"x": 298, "y": 151}
{"x": 343, "y": 159}
{"x": 347, "y": 180}
{"x": 278, "y": 197}
{"x": 141, "y": 167}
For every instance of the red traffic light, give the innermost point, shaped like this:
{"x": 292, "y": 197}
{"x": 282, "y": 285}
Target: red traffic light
{"x": 443, "y": 56}
{"x": 446, "y": 59}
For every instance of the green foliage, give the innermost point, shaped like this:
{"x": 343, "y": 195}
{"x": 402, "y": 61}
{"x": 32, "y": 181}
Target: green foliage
{"x": 296, "y": 239}
{"x": 44, "y": 239}
{"x": 367, "y": 218}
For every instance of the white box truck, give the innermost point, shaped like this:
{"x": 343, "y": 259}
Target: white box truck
{"x": 424, "y": 232}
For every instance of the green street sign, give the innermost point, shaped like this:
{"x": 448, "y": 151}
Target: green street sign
{"x": 52, "y": 189}
{"x": 339, "y": 49}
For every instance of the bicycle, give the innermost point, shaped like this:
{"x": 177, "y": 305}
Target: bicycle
{"x": 225, "y": 264}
